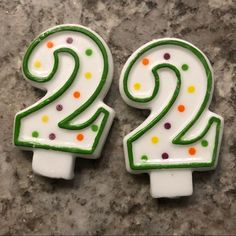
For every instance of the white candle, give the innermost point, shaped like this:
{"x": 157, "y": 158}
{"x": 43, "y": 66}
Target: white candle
{"x": 173, "y": 79}
{"x": 74, "y": 65}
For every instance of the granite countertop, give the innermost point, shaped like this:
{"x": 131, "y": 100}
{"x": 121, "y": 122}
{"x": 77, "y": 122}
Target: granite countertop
{"x": 104, "y": 198}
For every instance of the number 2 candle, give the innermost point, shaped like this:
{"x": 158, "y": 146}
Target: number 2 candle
{"x": 74, "y": 65}
{"x": 173, "y": 79}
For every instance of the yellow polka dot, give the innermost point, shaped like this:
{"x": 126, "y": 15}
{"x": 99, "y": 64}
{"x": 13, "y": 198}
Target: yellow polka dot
{"x": 191, "y": 89}
{"x": 37, "y": 64}
{"x": 88, "y": 75}
{"x": 45, "y": 119}
{"x": 155, "y": 139}
{"x": 137, "y": 86}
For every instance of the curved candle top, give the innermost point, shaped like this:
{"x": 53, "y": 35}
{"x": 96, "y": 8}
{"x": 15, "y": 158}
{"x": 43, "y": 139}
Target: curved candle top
{"x": 75, "y": 66}
{"x": 174, "y": 80}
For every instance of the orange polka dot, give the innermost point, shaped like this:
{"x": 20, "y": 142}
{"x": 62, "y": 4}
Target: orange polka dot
{"x": 80, "y": 137}
{"x": 50, "y": 44}
{"x": 192, "y": 151}
{"x": 181, "y": 108}
{"x": 145, "y": 61}
{"x": 76, "y": 94}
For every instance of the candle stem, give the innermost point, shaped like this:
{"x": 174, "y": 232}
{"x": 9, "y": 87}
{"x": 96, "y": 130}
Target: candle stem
{"x": 53, "y": 164}
{"x": 171, "y": 183}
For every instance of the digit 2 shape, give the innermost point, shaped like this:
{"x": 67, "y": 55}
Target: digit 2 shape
{"x": 173, "y": 79}
{"x": 74, "y": 65}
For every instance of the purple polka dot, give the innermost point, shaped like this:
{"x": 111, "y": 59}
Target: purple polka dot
{"x": 167, "y": 56}
{"x": 165, "y": 155}
{"x": 59, "y": 107}
{"x": 52, "y": 136}
{"x": 69, "y": 40}
{"x": 167, "y": 125}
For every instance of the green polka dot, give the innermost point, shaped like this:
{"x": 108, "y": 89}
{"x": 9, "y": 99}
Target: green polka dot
{"x": 35, "y": 134}
{"x": 144, "y": 157}
{"x": 184, "y": 67}
{"x": 89, "y": 52}
{"x": 204, "y": 143}
{"x": 94, "y": 128}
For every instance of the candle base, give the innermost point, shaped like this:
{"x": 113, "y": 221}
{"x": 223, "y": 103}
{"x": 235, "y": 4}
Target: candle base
{"x": 171, "y": 183}
{"x": 53, "y": 164}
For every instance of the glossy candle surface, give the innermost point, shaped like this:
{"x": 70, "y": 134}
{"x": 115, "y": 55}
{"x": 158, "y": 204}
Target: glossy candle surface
{"x": 74, "y": 65}
{"x": 174, "y": 80}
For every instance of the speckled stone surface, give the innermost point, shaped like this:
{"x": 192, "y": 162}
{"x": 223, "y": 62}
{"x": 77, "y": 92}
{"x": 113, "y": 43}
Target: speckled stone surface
{"x": 103, "y": 198}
